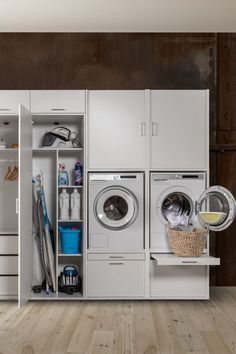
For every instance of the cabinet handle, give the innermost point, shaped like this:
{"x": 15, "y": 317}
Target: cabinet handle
{"x": 189, "y": 262}
{"x": 4, "y": 109}
{"x": 154, "y": 129}
{"x": 58, "y": 109}
{"x": 17, "y": 206}
{"x": 116, "y": 257}
{"x": 143, "y": 129}
{"x": 116, "y": 263}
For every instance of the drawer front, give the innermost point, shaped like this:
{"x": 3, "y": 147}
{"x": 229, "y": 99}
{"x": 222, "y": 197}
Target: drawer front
{"x": 116, "y": 278}
{"x": 176, "y": 282}
{"x": 8, "y": 285}
{"x": 115, "y": 256}
{"x": 8, "y": 265}
{"x": 10, "y": 100}
{"x": 8, "y": 244}
{"x": 59, "y": 101}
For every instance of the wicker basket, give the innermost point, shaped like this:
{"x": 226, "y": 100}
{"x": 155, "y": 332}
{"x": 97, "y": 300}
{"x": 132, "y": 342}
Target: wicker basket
{"x": 187, "y": 243}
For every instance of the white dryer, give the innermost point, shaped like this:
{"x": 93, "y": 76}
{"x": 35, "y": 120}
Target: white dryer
{"x": 181, "y": 194}
{"x": 116, "y": 212}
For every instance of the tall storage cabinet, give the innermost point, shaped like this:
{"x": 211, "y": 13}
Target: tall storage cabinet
{"x": 29, "y": 158}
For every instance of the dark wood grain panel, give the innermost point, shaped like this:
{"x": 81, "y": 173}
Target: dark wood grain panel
{"x": 226, "y": 240}
{"x": 226, "y": 87}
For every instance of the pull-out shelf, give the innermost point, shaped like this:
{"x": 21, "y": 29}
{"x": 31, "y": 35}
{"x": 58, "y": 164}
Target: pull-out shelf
{"x": 170, "y": 259}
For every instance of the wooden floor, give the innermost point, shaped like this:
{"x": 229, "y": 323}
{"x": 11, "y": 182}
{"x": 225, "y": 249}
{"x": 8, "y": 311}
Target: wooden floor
{"x": 129, "y": 327}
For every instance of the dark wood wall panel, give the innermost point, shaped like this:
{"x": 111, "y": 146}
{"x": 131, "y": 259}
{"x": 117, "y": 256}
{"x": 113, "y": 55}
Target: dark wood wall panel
{"x": 225, "y": 149}
{"x": 138, "y": 61}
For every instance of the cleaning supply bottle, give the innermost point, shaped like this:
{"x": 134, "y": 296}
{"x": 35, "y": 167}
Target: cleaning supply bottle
{"x": 75, "y": 205}
{"x": 63, "y": 178}
{"x": 78, "y": 173}
{"x": 64, "y": 205}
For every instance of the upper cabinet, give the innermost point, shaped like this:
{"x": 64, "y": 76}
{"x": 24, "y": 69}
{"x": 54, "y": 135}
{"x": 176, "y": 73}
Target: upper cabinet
{"x": 179, "y": 129}
{"x": 116, "y": 129}
{"x": 58, "y": 101}
{"x": 10, "y": 100}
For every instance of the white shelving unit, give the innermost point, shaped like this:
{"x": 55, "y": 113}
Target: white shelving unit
{"x": 118, "y": 131}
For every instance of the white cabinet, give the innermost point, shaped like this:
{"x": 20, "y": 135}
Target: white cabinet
{"x": 10, "y": 100}
{"x": 116, "y": 129}
{"x": 179, "y": 129}
{"x": 58, "y": 101}
{"x": 179, "y": 282}
{"x": 115, "y": 278}
{"x": 120, "y": 134}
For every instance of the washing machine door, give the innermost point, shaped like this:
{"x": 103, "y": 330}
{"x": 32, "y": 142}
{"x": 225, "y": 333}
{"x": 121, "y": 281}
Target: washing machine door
{"x": 116, "y": 208}
{"x": 216, "y": 208}
{"x": 175, "y": 206}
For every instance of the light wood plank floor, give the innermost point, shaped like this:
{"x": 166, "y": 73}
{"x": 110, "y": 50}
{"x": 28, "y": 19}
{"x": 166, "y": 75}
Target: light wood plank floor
{"x": 129, "y": 327}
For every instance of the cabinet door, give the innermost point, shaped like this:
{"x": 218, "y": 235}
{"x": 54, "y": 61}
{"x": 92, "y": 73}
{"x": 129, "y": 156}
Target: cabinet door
{"x": 25, "y": 248}
{"x": 179, "y": 129}
{"x": 117, "y": 129}
{"x": 10, "y": 100}
{"x": 58, "y": 101}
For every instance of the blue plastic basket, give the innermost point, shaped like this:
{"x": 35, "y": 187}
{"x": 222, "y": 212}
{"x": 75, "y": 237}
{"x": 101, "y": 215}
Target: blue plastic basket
{"x": 70, "y": 240}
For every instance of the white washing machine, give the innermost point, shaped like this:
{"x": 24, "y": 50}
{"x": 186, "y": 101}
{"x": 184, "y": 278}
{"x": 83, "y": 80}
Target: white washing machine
{"x": 173, "y": 196}
{"x": 116, "y": 212}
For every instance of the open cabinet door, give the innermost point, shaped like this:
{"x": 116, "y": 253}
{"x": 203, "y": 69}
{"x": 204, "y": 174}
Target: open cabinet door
{"x": 25, "y": 260}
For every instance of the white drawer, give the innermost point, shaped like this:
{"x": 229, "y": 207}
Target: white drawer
{"x": 178, "y": 282}
{"x": 10, "y": 100}
{"x": 115, "y": 256}
{"x": 116, "y": 278}
{"x": 58, "y": 101}
{"x": 8, "y": 244}
{"x": 8, "y": 285}
{"x": 8, "y": 265}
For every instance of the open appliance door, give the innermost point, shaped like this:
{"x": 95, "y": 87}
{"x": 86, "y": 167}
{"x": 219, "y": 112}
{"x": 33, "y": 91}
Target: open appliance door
{"x": 216, "y": 208}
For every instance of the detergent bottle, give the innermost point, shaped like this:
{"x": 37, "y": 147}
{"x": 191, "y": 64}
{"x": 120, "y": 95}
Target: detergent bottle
{"x": 63, "y": 178}
{"x": 75, "y": 205}
{"x": 64, "y": 205}
{"x": 78, "y": 173}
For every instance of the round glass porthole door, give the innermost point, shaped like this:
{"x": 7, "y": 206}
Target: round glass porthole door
{"x": 115, "y": 208}
{"x": 176, "y": 208}
{"x": 216, "y": 208}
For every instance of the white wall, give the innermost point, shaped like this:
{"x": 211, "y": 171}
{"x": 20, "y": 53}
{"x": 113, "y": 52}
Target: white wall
{"x": 118, "y": 15}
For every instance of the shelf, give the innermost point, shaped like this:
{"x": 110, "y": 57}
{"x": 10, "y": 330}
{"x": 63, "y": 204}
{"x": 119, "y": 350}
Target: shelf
{"x": 67, "y": 296}
{"x": 169, "y": 259}
{"x": 9, "y": 149}
{"x": 68, "y": 221}
{"x": 70, "y": 255}
{"x": 43, "y": 295}
{"x": 74, "y": 187}
{"x": 56, "y": 149}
